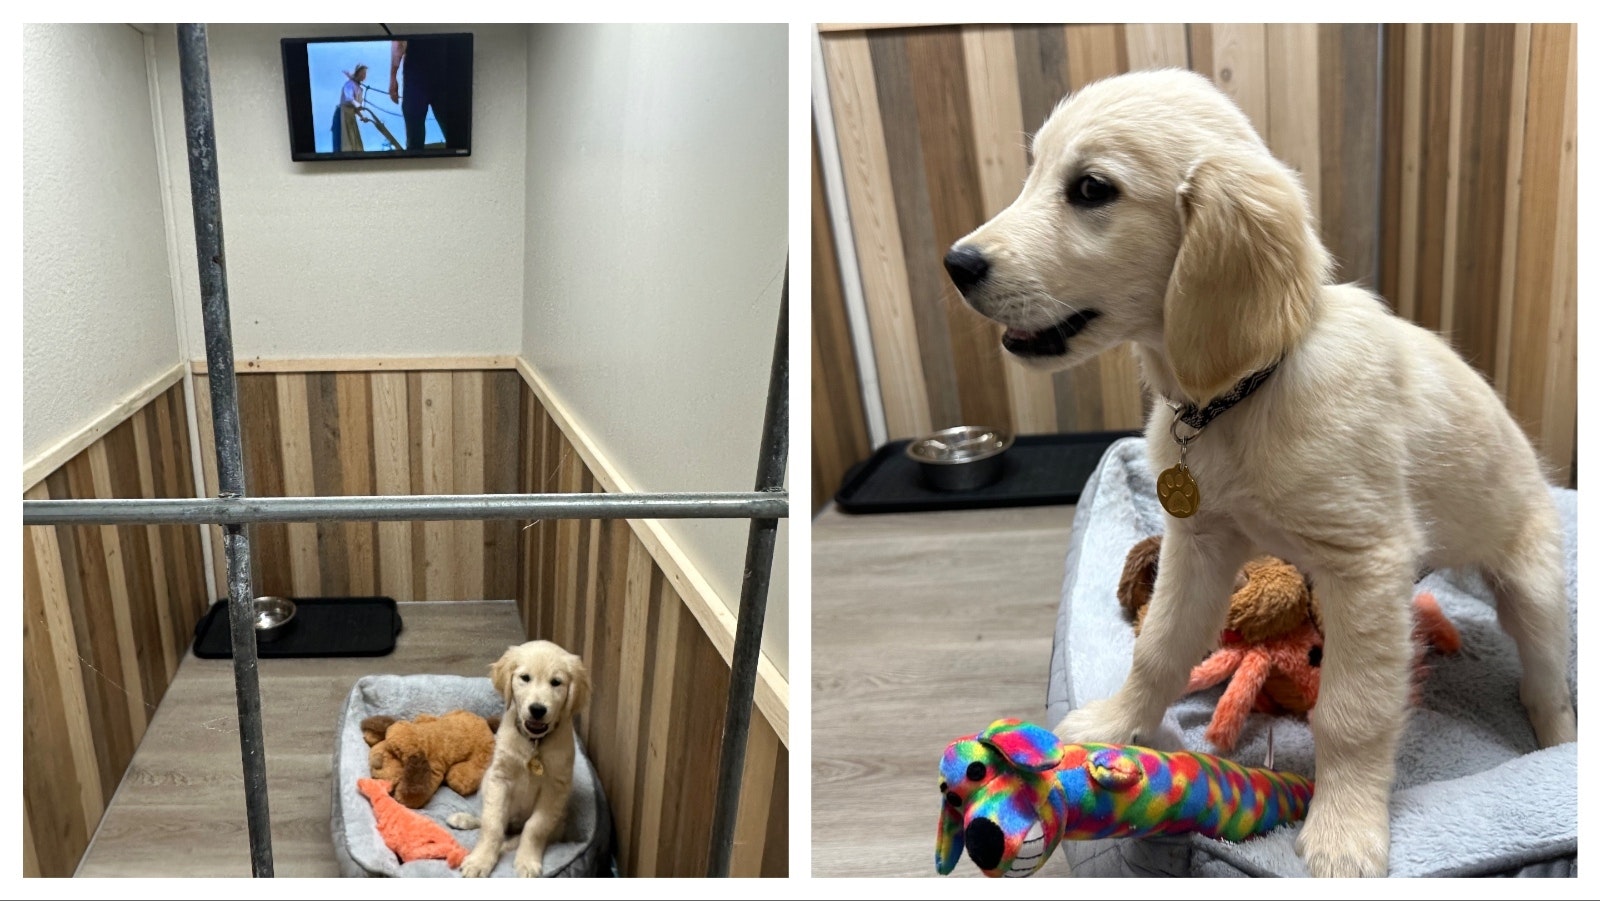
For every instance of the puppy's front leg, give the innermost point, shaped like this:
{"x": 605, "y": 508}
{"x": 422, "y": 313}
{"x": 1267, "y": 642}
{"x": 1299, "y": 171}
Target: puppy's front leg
{"x": 540, "y": 828}
{"x": 491, "y": 828}
{"x": 1366, "y": 678}
{"x": 1189, "y": 607}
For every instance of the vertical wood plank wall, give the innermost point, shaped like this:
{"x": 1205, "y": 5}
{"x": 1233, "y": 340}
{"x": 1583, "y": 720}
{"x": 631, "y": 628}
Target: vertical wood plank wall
{"x": 654, "y": 725}
{"x": 108, "y": 612}
{"x": 1459, "y": 206}
{"x": 1480, "y": 209}
{"x": 838, "y": 423}
{"x": 376, "y": 432}
{"x": 933, "y": 126}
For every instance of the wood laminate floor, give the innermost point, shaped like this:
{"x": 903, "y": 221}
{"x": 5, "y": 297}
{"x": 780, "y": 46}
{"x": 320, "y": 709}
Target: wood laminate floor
{"x": 925, "y": 627}
{"x": 180, "y": 809}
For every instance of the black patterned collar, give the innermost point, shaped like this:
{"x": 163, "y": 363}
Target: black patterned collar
{"x": 1198, "y": 418}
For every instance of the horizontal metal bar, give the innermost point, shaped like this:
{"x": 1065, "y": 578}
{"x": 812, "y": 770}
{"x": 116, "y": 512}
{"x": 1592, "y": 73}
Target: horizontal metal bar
{"x": 426, "y": 507}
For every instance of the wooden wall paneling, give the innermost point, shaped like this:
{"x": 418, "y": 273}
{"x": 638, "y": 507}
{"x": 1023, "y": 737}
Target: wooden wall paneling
{"x": 1000, "y": 143}
{"x": 1349, "y": 69}
{"x": 466, "y": 407}
{"x": 324, "y": 439}
{"x": 1520, "y": 54}
{"x": 107, "y": 611}
{"x": 299, "y": 480}
{"x": 355, "y": 451}
{"x": 391, "y": 447}
{"x": 879, "y": 250}
{"x": 503, "y": 453}
{"x": 838, "y": 421}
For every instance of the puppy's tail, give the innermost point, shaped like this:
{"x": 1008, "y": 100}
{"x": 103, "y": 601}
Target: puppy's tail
{"x": 463, "y": 820}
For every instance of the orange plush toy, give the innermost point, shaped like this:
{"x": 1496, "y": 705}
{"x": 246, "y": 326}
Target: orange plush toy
{"x": 419, "y": 755}
{"x": 410, "y": 835}
{"x": 1272, "y": 644}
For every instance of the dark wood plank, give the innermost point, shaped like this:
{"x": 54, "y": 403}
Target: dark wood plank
{"x": 698, "y": 695}
{"x": 838, "y": 421}
{"x": 775, "y": 856}
{"x": 1394, "y": 118}
{"x": 263, "y": 463}
{"x": 133, "y": 544}
{"x": 1348, "y": 83}
{"x": 327, "y": 468}
{"x": 420, "y": 548}
{"x": 1435, "y": 163}
{"x": 502, "y": 454}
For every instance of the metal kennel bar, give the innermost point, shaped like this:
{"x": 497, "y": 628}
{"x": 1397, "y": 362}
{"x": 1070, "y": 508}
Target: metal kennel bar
{"x": 233, "y": 509}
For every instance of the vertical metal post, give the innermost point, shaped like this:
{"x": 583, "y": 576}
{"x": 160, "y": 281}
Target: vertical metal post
{"x": 752, "y": 600}
{"x": 195, "y": 71}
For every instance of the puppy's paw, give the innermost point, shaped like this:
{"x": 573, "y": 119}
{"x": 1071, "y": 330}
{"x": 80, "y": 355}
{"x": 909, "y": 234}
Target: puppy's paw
{"x": 529, "y": 869}
{"x": 462, "y": 820}
{"x": 1553, "y": 725}
{"x": 1100, "y": 721}
{"x": 477, "y": 865}
{"x": 1340, "y": 844}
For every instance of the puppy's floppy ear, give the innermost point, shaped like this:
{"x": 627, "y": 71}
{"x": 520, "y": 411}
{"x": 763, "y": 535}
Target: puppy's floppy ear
{"x": 1247, "y": 274}
{"x": 578, "y": 694}
{"x": 500, "y": 674}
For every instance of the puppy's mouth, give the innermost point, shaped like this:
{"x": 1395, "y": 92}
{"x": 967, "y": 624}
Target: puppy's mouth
{"x": 535, "y": 729}
{"x": 1048, "y": 342}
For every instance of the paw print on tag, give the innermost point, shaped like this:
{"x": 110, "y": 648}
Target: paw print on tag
{"x": 1178, "y": 492}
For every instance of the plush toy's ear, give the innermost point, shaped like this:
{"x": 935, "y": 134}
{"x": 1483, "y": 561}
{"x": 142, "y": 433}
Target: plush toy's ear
{"x": 1247, "y": 274}
{"x": 948, "y": 849}
{"x": 1138, "y": 580}
{"x": 500, "y": 674}
{"x": 373, "y": 728}
{"x": 494, "y": 723}
{"x": 1025, "y": 745}
{"x": 1114, "y": 769}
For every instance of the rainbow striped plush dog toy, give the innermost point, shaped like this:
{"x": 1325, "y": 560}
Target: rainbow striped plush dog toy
{"x": 1014, "y": 791}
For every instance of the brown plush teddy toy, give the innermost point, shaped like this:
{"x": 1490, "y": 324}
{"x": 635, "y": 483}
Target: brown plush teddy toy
{"x": 1271, "y": 647}
{"x": 416, "y": 756}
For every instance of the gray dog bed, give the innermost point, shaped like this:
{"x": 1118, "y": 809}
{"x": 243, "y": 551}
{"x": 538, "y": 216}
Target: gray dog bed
{"x": 1474, "y": 796}
{"x": 583, "y": 849}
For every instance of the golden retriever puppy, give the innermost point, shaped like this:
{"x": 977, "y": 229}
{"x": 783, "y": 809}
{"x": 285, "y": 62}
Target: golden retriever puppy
{"x": 530, "y": 777}
{"x": 1338, "y": 436}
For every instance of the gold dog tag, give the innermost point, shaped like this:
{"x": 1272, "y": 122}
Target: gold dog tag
{"x": 536, "y": 766}
{"x": 1179, "y": 493}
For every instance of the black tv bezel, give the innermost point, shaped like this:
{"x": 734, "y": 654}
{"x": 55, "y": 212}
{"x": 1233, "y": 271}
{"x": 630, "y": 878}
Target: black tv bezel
{"x": 290, "y": 87}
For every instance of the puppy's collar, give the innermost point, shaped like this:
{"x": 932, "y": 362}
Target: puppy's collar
{"x": 1198, "y": 418}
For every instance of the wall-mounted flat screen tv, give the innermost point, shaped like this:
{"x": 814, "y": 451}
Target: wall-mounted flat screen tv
{"x": 369, "y": 97}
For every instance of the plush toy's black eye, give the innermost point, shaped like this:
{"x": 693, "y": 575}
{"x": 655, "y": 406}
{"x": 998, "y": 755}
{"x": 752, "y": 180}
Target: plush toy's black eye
{"x": 953, "y": 799}
{"x": 943, "y": 786}
{"x": 975, "y": 772}
{"x": 526, "y": 678}
{"x": 555, "y": 683}
{"x": 1316, "y": 655}
{"x": 1091, "y": 191}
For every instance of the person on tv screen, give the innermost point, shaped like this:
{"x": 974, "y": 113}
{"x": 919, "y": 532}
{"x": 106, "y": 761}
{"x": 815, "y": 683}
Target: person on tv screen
{"x": 433, "y": 78}
{"x": 346, "y": 121}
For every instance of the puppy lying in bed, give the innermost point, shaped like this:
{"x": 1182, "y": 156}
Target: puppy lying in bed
{"x": 530, "y": 777}
{"x": 1295, "y": 417}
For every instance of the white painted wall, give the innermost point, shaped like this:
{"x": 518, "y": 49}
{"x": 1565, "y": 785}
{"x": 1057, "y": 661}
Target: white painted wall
{"x": 355, "y": 259}
{"x": 656, "y": 235}
{"x": 97, "y": 319}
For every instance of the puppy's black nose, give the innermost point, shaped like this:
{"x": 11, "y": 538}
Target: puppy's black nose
{"x": 985, "y": 843}
{"x": 967, "y": 267}
{"x": 537, "y": 711}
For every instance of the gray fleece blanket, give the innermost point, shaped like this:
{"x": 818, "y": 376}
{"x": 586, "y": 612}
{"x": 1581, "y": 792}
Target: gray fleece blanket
{"x": 1474, "y": 796}
{"x": 583, "y": 849}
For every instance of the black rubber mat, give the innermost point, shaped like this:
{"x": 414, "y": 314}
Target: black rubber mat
{"x": 1040, "y": 470}
{"x": 322, "y": 627}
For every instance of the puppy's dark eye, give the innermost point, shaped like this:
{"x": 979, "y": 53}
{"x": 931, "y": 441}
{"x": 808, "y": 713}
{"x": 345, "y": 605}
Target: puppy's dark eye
{"x": 555, "y": 683}
{"x": 525, "y": 677}
{"x": 975, "y": 772}
{"x": 1091, "y": 191}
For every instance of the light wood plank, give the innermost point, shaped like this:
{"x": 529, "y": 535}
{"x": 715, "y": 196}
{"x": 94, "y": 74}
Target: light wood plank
{"x": 391, "y": 445}
{"x": 1513, "y": 207}
{"x": 1239, "y": 67}
{"x": 366, "y": 364}
{"x": 1293, "y": 111}
{"x": 438, "y": 477}
{"x": 208, "y": 468}
{"x": 1158, "y": 46}
{"x": 660, "y": 728}
{"x": 1452, "y": 203}
{"x": 879, "y": 251}
{"x": 1001, "y": 144}
{"x": 630, "y": 684}
{"x": 56, "y": 456}
{"x": 64, "y": 646}
{"x": 299, "y": 480}
{"x": 356, "y": 468}
{"x": 1560, "y": 414}
{"x": 121, "y": 608}
{"x": 1411, "y": 172}
{"x": 755, "y": 799}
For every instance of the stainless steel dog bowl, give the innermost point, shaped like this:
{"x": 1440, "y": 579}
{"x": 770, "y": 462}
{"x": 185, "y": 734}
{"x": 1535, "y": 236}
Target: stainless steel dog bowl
{"x": 274, "y": 616}
{"x": 962, "y": 458}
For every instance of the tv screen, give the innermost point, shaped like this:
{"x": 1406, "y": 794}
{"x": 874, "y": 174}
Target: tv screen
{"x": 369, "y": 97}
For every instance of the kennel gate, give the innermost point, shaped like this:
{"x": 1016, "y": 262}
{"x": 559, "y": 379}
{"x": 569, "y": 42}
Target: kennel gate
{"x": 233, "y": 509}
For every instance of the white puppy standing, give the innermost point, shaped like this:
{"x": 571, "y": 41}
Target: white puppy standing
{"x": 1330, "y": 432}
{"x": 530, "y": 778}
